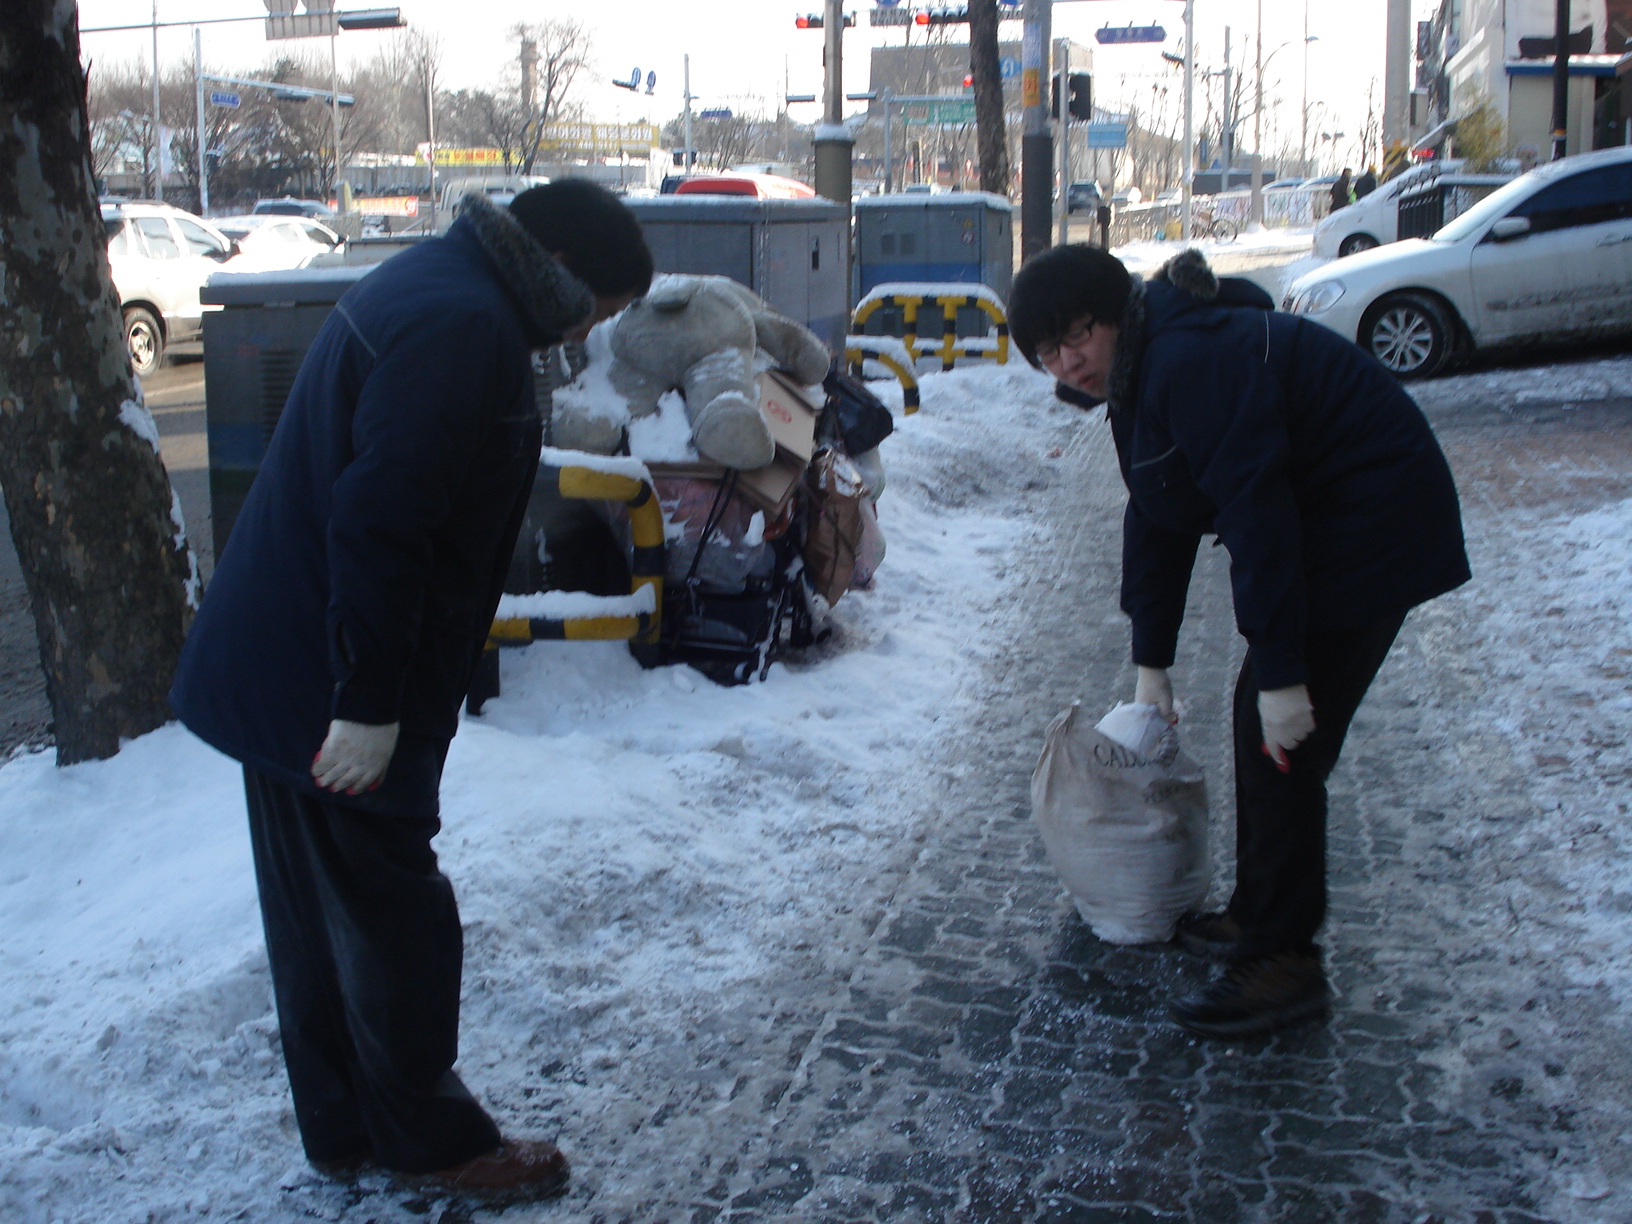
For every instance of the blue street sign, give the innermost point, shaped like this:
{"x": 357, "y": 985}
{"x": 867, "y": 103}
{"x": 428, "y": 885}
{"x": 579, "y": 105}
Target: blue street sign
{"x": 219, "y": 98}
{"x": 651, "y": 80}
{"x": 1107, "y": 135}
{"x": 1130, "y": 34}
{"x": 1008, "y": 68}
{"x": 634, "y": 79}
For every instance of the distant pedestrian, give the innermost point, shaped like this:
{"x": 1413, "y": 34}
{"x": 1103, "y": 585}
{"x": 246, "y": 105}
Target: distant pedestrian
{"x": 339, "y": 636}
{"x": 1304, "y": 457}
{"x": 1366, "y": 183}
{"x": 1342, "y": 195}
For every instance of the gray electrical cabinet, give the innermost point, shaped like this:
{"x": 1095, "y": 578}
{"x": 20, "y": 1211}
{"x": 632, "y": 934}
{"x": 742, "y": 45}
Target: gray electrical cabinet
{"x": 253, "y": 347}
{"x": 960, "y": 237}
{"x": 793, "y": 253}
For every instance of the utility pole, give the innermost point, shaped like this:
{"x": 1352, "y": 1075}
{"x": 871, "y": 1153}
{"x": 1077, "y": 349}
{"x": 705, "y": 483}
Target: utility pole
{"x": 1258, "y": 120}
{"x": 1561, "y": 77}
{"x": 1185, "y": 209}
{"x": 1062, "y": 203}
{"x": 1036, "y": 145}
{"x": 198, "y": 101}
{"x": 158, "y": 131}
{"x": 1303, "y": 144}
{"x": 685, "y": 156}
{"x": 833, "y": 139}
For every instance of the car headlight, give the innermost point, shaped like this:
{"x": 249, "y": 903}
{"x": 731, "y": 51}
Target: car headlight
{"x": 1313, "y": 299}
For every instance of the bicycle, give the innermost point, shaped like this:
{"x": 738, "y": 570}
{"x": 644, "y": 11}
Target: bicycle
{"x": 1206, "y": 224}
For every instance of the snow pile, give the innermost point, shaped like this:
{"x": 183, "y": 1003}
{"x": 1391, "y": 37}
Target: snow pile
{"x": 631, "y": 849}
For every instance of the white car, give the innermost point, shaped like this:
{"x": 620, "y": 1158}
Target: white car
{"x": 268, "y": 242}
{"x": 1546, "y": 257}
{"x": 160, "y": 258}
{"x": 1374, "y": 220}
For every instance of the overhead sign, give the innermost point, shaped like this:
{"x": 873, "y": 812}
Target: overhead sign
{"x": 222, "y": 98}
{"x": 1107, "y": 135}
{"x": 945, "y": 111}
{"x": 1130, "y": 34}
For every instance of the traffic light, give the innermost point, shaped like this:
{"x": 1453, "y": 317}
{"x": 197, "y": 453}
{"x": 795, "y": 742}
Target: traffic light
{"x": 815, "y": 21}
{"x": 1080, "y": 105}
{"x": 941, "y": 16}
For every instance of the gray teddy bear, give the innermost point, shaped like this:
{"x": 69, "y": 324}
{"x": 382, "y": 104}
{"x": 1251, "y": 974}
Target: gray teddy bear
{"x": 698, "y": 335}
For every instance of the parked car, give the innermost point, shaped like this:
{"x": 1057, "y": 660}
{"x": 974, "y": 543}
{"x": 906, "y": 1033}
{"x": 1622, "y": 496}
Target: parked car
{"x": 269, "y": 241}
{"x": 160, "y": 258}
{"x": 1374, "y": 220}
{"x": 288, "y": 206}
{"x": 1084, "y": 196}
{"x": 1546, "y": 257}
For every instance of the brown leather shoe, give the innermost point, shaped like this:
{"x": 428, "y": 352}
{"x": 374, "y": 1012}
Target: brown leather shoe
{"x": 518, "y": 1171}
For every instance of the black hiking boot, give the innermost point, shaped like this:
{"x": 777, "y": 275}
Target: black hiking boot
{"x": 1255, "y": 997}
{"x": 1212, "y": 935}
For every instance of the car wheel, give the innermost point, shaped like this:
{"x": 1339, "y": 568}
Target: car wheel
{"x": 144, "y": 340}
{"x": 1355, "y": 243}
{"x": 1410, "y": 333}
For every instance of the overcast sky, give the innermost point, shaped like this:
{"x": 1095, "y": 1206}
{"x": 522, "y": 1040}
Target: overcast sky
{"x": 746, "y": 53}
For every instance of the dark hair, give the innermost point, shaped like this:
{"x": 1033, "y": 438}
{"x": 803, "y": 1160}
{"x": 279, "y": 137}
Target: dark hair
{"x": 591, "y": 230}
{"x": 1061, "y": 286}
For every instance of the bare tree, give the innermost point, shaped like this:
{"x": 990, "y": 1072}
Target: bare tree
{"x": 559, "y": 53}
{"x": 988, "y": 82}
{"x": 109, "y": 574}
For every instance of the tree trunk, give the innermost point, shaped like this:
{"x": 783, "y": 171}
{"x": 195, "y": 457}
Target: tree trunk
{"x": 990, "y": 129}
{"x": 97, "y": 529}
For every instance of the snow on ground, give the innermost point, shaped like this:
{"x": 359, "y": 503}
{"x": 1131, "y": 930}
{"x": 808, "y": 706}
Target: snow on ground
{"x": 630, "y": 848}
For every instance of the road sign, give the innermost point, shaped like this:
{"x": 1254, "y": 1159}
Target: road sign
{"x": 949, "y": 110}
{"x": 1107, "y": 135}
{"x": 222, "y": 98}
{"x": 1130, "y": 34}
{"x": 1008, "y": 68}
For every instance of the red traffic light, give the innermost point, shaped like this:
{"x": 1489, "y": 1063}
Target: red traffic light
{"x": 815, "y": 21}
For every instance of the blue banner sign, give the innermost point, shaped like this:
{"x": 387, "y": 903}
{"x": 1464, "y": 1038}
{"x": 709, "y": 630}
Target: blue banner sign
{"x": 1107, "y": 135}
{"x": 1130, "y": 34}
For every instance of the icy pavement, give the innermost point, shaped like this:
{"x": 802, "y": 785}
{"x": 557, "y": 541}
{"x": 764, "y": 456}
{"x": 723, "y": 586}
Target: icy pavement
{"x": 791, "y": 951}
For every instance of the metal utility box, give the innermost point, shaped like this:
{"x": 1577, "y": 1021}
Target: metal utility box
{"x": 793, "y": 253}
{"x": 253, "y": 347}
{"x": 961, "y": 237}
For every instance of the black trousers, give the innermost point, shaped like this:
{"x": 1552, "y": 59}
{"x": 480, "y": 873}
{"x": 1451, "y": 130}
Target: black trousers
{"x": 1280, "y": 818}
{"x": 364, "y": 941}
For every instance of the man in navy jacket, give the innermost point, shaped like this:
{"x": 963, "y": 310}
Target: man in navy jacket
{"x": 1318, "y": 473}
{"x": 339, "y": 636}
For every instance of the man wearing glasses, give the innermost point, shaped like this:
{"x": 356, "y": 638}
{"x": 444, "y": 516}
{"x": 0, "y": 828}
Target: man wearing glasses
{"x": 1309, "y": 463}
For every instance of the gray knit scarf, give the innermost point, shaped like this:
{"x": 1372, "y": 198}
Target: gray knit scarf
{"x": 551, "y": 299}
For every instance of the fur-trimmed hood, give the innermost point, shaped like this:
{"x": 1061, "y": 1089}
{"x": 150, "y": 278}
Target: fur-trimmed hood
{"x": 1197, "y": 285}
{"x": 552, "y": 301}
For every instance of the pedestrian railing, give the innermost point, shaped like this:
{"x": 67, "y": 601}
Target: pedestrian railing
{"x": 934, "y": 331}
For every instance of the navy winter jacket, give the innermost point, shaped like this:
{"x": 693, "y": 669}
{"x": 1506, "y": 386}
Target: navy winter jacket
{"x": 1298, "y": 449}
{"x": 364, "y": 568}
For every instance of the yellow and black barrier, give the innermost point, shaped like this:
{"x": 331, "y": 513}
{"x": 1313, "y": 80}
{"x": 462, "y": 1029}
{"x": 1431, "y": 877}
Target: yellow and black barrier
{"x": 645, "y": 565}
{"x": 910, "y": 301}
{"x": 893, "y": 356}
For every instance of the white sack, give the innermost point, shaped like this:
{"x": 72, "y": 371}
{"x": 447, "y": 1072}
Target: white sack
{"x": 1126, "y": 833}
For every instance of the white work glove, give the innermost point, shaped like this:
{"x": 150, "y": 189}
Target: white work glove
{"x": 1288, "y": 718}
{"x": 1154, "y": 688}
{"x": 354, "y": 757}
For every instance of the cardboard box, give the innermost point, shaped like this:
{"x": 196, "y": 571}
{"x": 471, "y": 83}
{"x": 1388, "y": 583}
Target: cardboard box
{"x": 791, "y": 414}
